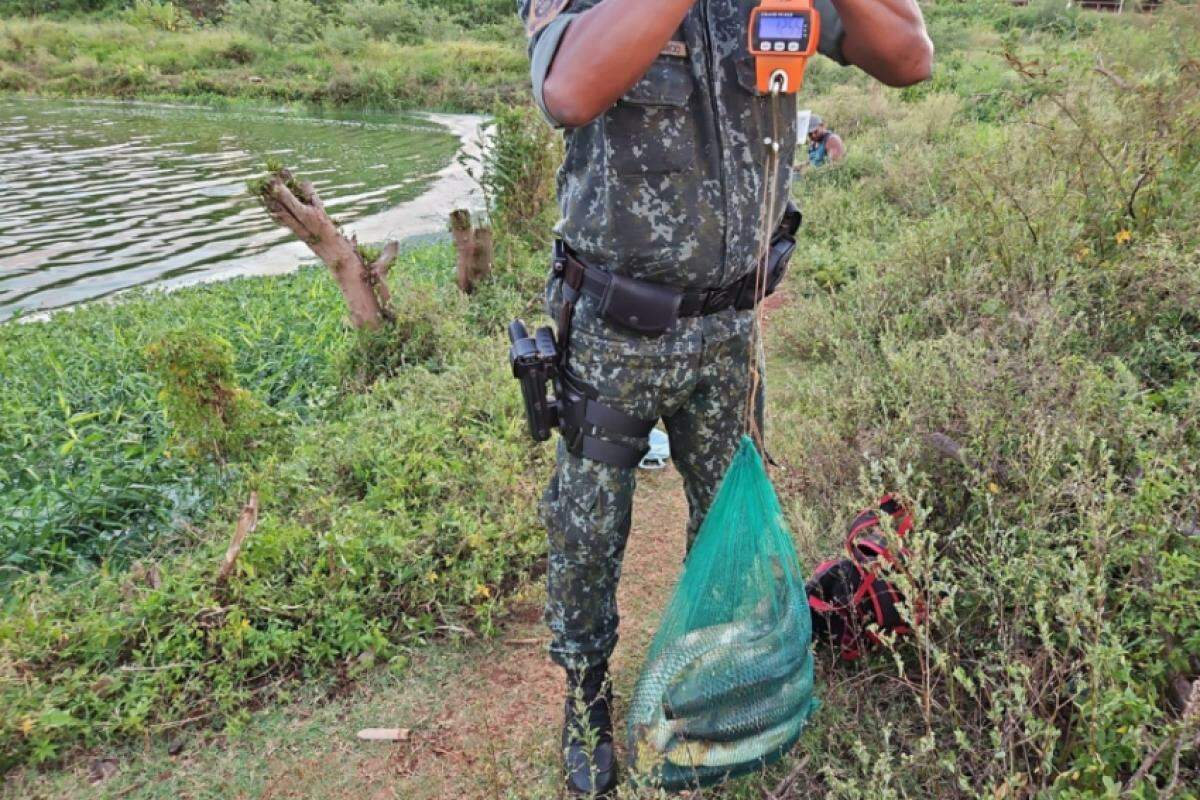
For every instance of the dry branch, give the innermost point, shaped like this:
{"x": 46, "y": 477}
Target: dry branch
{"x": 783, "y": 788}
{"x": 247, "y": 522}
{"x": 1116, "y": 79}
{"x": 1187, "y": 734}
{"x": 296, "y": 206}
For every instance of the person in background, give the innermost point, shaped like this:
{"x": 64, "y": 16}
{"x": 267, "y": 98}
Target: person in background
{"x": 823, "y": 144}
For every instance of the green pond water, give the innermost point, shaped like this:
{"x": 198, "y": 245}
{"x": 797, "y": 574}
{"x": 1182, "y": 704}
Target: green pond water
{"x": 99, "y": 197}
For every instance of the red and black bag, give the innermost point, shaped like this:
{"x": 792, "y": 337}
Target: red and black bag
{"x": 851, "y": 599}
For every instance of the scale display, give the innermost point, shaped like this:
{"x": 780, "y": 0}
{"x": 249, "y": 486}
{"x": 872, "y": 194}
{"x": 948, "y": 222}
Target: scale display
{"x": 784, "y": 31}
{"x": 789, "y": 27}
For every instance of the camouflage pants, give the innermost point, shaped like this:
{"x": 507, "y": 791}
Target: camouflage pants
{"x": 695, "y": 378}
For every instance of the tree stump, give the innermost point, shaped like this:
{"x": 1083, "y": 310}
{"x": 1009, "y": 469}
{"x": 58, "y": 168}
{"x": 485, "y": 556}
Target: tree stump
{"x": 296, "y": 206}
{"x": 473, "y": 247}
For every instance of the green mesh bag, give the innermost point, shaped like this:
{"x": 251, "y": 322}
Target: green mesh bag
{"x": 727, "y": 684}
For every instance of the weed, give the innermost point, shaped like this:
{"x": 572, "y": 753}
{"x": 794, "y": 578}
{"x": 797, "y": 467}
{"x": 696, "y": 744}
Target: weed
{"x": 161, "y": 15}
{"x": 393, "y": 515}
{"x": 516, "y": 173}
{"x": 210, "y": 413}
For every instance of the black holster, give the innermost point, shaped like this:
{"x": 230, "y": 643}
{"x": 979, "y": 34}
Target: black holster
{"x": 583, "y": 421}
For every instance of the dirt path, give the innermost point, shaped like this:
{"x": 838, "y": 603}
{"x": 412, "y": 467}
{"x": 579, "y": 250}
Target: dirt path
{"x": 490, "y": 728}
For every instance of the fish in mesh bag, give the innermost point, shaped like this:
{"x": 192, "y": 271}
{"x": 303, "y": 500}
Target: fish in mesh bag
{"x": 727, "y": 686}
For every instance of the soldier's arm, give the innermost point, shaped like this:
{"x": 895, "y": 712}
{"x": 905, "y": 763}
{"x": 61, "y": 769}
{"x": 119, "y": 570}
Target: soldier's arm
{"x": 605, "y": 51}
{"x": 886, "y": 39}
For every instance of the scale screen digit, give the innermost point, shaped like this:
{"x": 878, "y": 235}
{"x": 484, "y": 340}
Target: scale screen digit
{"x": 789, "y": 28}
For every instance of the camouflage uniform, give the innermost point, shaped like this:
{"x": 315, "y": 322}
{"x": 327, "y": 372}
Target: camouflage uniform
{"x": 666, "y": 186}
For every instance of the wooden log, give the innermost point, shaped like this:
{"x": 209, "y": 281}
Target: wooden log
{"x": 296, "y": 206}
{"x": 484, "y": 254}
{"x": 464, "y": 247}
{"x": 473, "y": 249}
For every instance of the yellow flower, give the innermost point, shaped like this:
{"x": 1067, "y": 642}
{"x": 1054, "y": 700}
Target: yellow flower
{"x": 27, "y": 725}
{"x": 431, "y": 577}
{"x": 1123, "y": 237}
{"x": 993, "y": 488}
{"x": 1083, "y": 252}
{"x": 245, "y": 623}
{"x": 482, "y": 591}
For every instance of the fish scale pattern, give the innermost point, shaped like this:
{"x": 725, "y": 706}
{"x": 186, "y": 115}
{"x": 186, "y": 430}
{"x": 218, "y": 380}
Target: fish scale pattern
{"x": 727, "y": 686}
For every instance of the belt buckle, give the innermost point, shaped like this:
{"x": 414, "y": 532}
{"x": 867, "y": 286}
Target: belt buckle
{"x": 558, "y": 260}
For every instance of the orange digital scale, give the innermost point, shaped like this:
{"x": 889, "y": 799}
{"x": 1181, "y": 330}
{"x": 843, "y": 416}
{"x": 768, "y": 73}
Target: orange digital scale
{"x": 783, "y": 36}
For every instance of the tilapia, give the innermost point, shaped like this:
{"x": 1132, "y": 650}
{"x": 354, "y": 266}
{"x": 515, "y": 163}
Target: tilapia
{"x": 741, "y": 670}
{"x": 648, "y": 723}
{"x": 697, "y": 754}
{"x": 740, "y": 719}
{"x": 737, "y": 660}
{"x": 741, "y": 674}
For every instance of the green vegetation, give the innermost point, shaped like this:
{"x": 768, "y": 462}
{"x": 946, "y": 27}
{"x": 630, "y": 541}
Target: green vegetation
{"x": 1007, "y": 257}
{"x": 1012, "y": 263}
{"x": 461, "y": 56}
{"x": 210, "y": 413}
{"x": 517, "y": 172}
{"x": 388, "y": 515}
{"x": 87, "y": 466}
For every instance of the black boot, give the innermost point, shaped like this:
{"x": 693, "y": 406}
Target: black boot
{"x": 587, "y": 740}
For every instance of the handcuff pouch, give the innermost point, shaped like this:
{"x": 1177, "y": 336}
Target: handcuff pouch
{"x": 640, "y": 306}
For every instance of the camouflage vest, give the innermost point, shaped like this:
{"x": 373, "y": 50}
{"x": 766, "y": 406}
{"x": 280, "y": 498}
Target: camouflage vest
{"x": 667, "y": 185}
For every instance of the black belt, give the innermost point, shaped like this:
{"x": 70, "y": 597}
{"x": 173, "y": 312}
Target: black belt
{"x": 651, "y": 307}
{"x": 595, "y": 282}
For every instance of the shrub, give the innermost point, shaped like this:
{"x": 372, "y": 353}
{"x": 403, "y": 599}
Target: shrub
{"x": 408, "y": 514}
{"x": 210, "y": 413}
{"x": 389, "y": 516}
{"x": 162, "y": 15}
{"x": 238, "y": 52}
{"x": 33, "y": 8}
{"x": 1022, "y": 304}
{"x": 344, "y": 40}
{"x": 400, "y": 21}
{"x": 427, "y": 331}
{"x": 204, "y": 10}
{"x": 86, "y": 468}
{"x": 516, "y": 172}
{"x": 276, "y": 21}
{"x": 1049, "y": 17}
{"x": 473, "y": 13}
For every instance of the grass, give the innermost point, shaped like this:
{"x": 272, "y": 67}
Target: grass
{"x": 1007, "y": 257}
{"x": 86, "y": 451}
{"x": 84, "y": 57}
{"x": 306, "y": 745}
